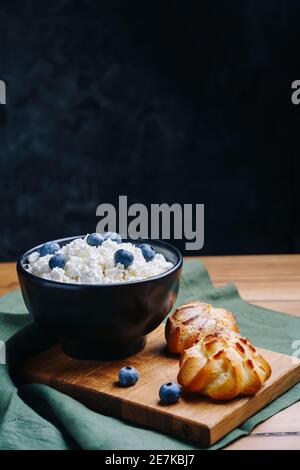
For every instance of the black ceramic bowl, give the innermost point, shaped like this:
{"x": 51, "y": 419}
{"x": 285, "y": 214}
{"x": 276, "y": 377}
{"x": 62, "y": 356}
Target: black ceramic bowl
{"x": 101, "y": 321}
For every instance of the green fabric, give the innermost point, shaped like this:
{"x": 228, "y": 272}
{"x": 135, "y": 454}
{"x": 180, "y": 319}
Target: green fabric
{"x": 35, "y": 416}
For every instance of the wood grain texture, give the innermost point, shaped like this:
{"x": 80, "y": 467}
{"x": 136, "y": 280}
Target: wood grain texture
{"x": 271, "y": 281}
{"x": 8, "y": 277}
{"x": 193, "y": 418}
{"x": 245, "y": 272}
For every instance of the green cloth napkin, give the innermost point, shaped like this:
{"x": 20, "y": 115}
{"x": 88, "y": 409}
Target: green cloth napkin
{"x": 36, "y": 416}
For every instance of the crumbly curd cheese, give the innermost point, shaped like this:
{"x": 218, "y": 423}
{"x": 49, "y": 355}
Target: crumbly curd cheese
{"x": 96, "y": 265}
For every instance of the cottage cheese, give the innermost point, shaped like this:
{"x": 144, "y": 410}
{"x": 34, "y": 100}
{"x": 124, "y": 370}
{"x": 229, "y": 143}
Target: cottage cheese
{"x": 95, "y": 265}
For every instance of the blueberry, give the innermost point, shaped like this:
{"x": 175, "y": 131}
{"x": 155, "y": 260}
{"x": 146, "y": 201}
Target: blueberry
{"x": 57, "y": 261}
{"x": 49, "y": 248}
{"x": 147, "y": 251}
{"x": 113, "y": 236}
{"x": 169, "y": 392}
{"x": 95, "y": 239}
{"x": 124, "y": 257}
{"x": 128, "y": 376}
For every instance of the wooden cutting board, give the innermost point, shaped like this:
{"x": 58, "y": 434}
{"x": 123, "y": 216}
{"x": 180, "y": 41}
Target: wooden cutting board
{"x": 193, "y": 418}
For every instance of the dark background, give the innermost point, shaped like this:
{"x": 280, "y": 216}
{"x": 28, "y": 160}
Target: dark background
{"x": 160, "y": 101}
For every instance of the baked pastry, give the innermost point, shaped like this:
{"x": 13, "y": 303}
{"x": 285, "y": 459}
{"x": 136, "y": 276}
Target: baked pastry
{"x": 222, "y": 366}
{"x": 194, "y": 320}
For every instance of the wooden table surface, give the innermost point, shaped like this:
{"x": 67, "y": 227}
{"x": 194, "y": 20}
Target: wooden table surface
{"x": 272, "y": 281}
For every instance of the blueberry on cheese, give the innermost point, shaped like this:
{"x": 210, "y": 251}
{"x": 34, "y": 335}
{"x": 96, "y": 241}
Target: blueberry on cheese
{"x": 124, "y": 257}
{"x": 95, "y": 239}
{"x": 113, "y": 236}
{"x": 49, "y": 248}
{"x": 57, "y": 261}
{"x": 147, "y": 251}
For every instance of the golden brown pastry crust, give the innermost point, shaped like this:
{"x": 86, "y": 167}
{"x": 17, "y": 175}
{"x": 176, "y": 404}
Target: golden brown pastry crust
{"x": 223, "y": 365}
{"x": 194, "y": 320}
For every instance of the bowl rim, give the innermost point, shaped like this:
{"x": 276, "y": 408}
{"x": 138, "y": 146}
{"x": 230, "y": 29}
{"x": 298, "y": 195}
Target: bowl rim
{"x": 50, "y": 282}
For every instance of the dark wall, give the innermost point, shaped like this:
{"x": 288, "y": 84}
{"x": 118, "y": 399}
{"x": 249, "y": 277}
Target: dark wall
{"x": 159, "y": 101}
